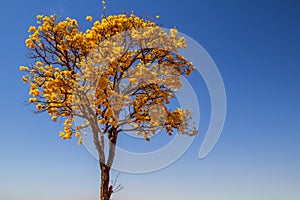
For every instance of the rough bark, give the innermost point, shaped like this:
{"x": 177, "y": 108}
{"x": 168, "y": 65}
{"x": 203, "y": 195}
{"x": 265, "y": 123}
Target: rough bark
{"x": 106, "y": 189}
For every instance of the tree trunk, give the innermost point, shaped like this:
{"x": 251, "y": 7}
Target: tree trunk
{"x": 105, "y": 188}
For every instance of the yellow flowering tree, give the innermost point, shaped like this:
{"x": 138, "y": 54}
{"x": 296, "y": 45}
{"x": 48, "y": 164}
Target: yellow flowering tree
{"x": 117, "y": 76}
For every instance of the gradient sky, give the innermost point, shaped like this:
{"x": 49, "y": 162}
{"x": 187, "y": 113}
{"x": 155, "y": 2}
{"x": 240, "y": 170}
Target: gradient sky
{"x": 255, "y": 45}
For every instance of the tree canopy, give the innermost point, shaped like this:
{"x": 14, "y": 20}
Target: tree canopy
{"x": 121, "y": 71}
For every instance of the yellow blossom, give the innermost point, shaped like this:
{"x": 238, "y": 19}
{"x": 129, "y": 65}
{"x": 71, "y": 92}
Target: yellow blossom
{"x": 38, "y": 63}
{"x": 77, "y": 134}
{"x": 32, "y": 100}
{"x": 80, "y": 141}
{"x": 32, "y": 29}
{"x": 89, "y": 18}
{"x": 39, "y": 106}
{"x": 24, "y": 79}
{"x": 61, "y": 134}
{"x": 30, "y": 43}
{"x": 24, "y": 68}
{"x": 54, "y": 118}
{"x": 39, "y": 17}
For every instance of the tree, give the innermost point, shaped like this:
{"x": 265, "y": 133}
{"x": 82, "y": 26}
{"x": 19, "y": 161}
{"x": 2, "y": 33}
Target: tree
{"x": 118, "y": 76}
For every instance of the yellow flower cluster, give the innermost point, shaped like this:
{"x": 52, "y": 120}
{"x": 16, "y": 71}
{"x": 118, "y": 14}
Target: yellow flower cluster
{"x": 121, "y": 61}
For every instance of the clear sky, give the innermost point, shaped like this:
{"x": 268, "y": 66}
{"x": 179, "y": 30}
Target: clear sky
{"x": 255, "y": 45}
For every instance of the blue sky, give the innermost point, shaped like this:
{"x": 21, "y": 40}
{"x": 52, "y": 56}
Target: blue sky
{"x": 255, "y": 45}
